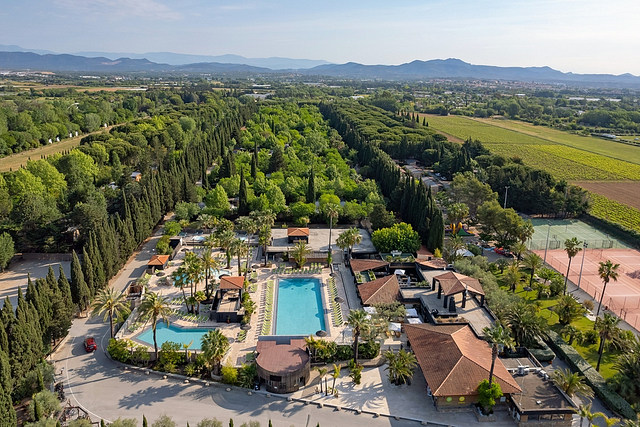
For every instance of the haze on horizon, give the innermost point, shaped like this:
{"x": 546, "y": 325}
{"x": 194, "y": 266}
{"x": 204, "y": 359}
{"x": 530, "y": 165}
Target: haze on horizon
{"x": 581, "y": 36}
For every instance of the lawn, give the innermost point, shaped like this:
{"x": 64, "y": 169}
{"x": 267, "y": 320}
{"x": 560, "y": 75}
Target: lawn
{"x": 590, "y": 353}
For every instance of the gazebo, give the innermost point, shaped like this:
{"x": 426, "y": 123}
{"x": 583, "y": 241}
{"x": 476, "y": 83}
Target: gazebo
{"x": 450, "y": 284}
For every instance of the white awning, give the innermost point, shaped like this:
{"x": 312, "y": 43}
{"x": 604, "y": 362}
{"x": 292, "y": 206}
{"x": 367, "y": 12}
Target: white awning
{"x": 371, "y": 310}
{"x": 464, "y": 253}
{"x": 396, "y": 327}
{"x": 414, "y": 320}
{"x": 399, "y": 272}
{"x": 411, "y": 312}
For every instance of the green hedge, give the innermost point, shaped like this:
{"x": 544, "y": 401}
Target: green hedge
{"x": 610, "y": 398}
{"x": 543, "y": 354}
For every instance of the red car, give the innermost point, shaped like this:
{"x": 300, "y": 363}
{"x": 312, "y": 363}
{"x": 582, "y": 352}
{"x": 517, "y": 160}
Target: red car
{"x": 90, "y": 344}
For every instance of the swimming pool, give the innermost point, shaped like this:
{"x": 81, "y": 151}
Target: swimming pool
{"x": 299, "y": 309}
{"x": 172, "y": 333}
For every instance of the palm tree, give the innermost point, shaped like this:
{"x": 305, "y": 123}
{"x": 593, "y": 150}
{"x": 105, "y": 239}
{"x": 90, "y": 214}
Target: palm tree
{"x": 400, "y": 366}
{"x": 532, "y": 261}
{"x": 111, "y": 303}
{"x": 571, "y": 247}
{"x": 248, "y": 225}
{"x": 610, "y": 422}
{"x": 214, "y": 346}
{"x": 451, "y": 248}
{"x": 498, "y": 337}
{"x": 263, "y": 218}
{"x": 154, "y": 307}
{"x": 180, "y": 280}
{"x": 571, "y": 383}
{"x": 335, "y": 375}
{"x": 331, "y": 210}
{"x": 360, "y": 324}
{"x": 572, "y": 332}
{"x": 264, "y": 237}
{"x": 322, "y": 372}
{"x": 348, "y": 239}
{"x": 208, "y": 221}
{"x": 518, "y": 248}
{"x": 199, "y": 296}
{"x": 240, "y": 248}
{"x": 210, "y": 264}
{"x": 568, "y": 309}
{"x": 225, "y": 241}
{"x": 606, "y": 271}
{"x": 300, "y": 252}
{"x": 513, "y": 276}
{"x": 194, "y": 270}
{"x": 607, "y": 327}
{"x": 526, "y": 326}
{"x": 584, "y": 411}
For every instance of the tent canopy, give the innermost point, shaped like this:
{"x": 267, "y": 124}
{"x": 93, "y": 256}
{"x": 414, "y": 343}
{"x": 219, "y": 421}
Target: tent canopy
{"x": 395, "y": 327}
{"x": 411, "y": 312}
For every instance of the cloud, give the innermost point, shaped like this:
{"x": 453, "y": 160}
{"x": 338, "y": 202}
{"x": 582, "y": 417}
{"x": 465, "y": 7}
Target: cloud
{"x": 145, "y": 9}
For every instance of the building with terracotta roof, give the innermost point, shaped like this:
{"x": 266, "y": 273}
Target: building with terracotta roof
{"x": 283, "y": 363}
{"x": 451, "y": 284}
{"x": 227, "y": 301}
{"x": 295, "y": 235}
{"x": 158, "y": 262}
{"x": 384, "y": 290}
{"x": 454, "y": 361}
{"x": 360, "y": 265}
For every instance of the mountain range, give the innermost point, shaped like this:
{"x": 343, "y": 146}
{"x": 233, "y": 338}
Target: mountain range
{"x": 416, "y": 70}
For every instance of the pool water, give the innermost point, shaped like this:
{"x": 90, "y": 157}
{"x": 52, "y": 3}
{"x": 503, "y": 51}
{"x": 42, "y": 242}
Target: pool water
{"x": 299, "y": 309}
{"x": 172, "y": 333}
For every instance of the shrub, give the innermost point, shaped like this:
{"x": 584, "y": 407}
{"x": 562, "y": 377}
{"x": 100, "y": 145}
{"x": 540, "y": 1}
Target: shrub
{"x": 170, "y": 354}
{"x": 368, "y": 350}
{"x": 190, "y": 370}
{"x": 588, "y": 304}
{"x": 208, "y": 422}
{"x": 344, "y": 352}
{"x": 47, "y": 401}
{"x": 590, "y": 337}
{"x": 229, "y": 374}
{"x": 487, "y": 395}
{"x": 164, "y": 421}
{"x": 171, "y": 228}
{"x": 162, "y": 247}
{"x": 118, "y": 350}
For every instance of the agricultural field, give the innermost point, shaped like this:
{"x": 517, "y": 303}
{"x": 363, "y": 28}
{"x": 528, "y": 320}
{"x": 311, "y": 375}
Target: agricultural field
{"x": 605, "y": 147}
{"x": 561, "y": 168}
{"x": 624, "y": 192}
{"x": 613, "y": 211}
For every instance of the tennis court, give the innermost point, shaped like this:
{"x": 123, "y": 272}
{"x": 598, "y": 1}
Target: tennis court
{"x": 561, "y": 230}
{"x": 622, "y": 296}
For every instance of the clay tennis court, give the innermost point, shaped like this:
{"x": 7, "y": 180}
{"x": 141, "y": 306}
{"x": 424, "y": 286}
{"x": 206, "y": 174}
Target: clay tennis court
{"x": 622, "y": 296}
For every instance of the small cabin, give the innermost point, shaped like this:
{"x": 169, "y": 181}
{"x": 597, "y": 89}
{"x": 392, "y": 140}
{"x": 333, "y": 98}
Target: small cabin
{"x": 295, "y": 235}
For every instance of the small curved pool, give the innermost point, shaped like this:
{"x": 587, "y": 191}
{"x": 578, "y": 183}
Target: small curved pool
{"x": 172, "y": 333}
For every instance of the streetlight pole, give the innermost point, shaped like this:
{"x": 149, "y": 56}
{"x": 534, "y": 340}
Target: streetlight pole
{"x": 585, "y": 244}
{"x": 546, "y": 246}
{"x": 506, "y": 191}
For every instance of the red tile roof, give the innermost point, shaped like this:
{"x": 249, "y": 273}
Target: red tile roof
{"x": 380, "y": 291}
{"x": 453, "y": 283}
{"x": 298, "y": 232}
{"x": 434, "y": 263}
{"x": 454, "y": 361}
{"x": 158, "y": 260}
{"x": 231, "y": 282}
{"x": 423, "y": 252}
{"x": 367, "y": 264}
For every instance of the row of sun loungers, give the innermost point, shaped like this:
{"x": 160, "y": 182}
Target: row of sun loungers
{"x": 198, "y": 318}
{"x": 336, "y": 310}
{"x": 268, "y": 309}
{"x": 316, "y": 268}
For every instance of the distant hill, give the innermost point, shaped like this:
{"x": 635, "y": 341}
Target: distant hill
{"x": 416, "y": 70}
{"x": 455, "y": 68}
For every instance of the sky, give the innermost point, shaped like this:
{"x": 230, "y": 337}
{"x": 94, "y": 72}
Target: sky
{"x": 581, "y": 36}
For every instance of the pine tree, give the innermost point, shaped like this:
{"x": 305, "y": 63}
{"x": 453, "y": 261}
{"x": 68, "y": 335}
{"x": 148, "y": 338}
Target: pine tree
{"x": 37, "y": 410}
{"x": 311, "y": 187}
{"x": 243, "y": 203}
{"x": 79, "y": 290}
{"x": 144, "y": 421}
{"x": 231, "y": 422}
{"x": 8, "y": 416}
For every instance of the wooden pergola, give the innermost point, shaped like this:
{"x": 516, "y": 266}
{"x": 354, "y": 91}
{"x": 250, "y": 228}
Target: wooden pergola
{"x": 450, "y": 284}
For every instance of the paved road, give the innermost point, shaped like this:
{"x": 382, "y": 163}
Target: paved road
{"x": 99, "y": 385}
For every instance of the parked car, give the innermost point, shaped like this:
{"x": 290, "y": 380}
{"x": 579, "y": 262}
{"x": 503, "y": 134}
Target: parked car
{"x": 90, "y": 344}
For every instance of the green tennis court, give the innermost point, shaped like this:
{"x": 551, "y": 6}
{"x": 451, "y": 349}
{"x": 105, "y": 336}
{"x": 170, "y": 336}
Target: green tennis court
{"x": 563, "y": 229}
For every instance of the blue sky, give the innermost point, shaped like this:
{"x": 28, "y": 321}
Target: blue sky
{"x": 583, "y": 36}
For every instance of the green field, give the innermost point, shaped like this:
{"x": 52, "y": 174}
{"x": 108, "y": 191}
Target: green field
{"x": 567, "y": 156}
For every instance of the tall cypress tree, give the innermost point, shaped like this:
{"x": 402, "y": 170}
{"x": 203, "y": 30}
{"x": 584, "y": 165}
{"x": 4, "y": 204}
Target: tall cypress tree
{"x": 254, "y": 166}
{"x": 311, "y": 187}
{"x": 63, "y": 309}
{"x": 79, "y": 290}
{"x": 87, "y": 271}
{"x": 6, "y": 382}
{"x": 243, "y": 203}
{"x": 8, "y": 416}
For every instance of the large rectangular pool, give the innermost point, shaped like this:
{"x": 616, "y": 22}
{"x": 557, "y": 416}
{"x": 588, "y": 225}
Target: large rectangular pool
{"x": 172, "y": 333}
{"x": 300, "y": 310}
